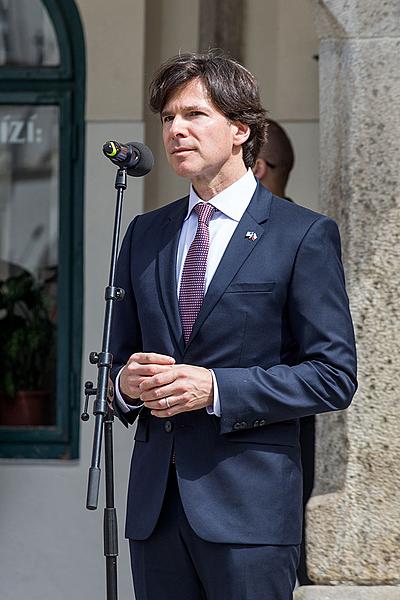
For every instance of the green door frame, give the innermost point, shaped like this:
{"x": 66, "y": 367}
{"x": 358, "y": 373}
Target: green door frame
{"x": 63, "y": 86}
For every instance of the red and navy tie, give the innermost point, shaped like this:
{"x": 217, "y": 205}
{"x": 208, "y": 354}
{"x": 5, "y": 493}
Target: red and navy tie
{"x": 192, "y": 288}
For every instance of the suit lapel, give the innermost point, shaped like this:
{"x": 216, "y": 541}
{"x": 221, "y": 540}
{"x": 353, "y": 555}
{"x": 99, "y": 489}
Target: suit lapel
{"x": 237, "y": 251}
{"x": 169, "y": 240}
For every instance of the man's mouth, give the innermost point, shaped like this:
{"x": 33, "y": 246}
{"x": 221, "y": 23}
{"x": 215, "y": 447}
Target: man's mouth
{"x": 181, "y": 150}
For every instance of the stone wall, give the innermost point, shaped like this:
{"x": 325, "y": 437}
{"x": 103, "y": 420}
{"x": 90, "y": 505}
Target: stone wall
{"x": 353, "y": 518}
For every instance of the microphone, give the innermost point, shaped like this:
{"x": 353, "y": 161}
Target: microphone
{"x": 135, "y": 157}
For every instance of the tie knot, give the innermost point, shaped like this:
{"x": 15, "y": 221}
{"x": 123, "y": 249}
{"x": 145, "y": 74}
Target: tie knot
{"x": 204, "y": 212}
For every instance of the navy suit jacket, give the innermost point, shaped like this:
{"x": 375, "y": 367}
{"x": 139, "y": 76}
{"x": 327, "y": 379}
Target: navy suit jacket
{"x": 275, "y": 328}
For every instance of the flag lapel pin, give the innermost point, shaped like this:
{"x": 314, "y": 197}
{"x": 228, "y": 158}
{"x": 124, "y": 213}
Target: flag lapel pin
{"x": 251, "y": 235}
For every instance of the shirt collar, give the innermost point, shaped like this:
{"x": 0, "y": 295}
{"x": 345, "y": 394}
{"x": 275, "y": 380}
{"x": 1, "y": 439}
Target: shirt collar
{"x": 233, "y": 200}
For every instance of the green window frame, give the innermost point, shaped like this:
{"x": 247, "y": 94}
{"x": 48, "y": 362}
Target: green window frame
{"x": 62, "y": 86}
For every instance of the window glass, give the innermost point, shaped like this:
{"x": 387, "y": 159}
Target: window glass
{"x": 27, "y": 36}
{"x": 29, "y": 216}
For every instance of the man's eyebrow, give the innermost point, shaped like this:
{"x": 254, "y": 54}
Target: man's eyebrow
{"x": 185, "y": 109}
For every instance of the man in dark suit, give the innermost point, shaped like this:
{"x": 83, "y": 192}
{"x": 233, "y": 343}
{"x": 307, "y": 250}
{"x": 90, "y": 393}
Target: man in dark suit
{"x": 235, "y": 323}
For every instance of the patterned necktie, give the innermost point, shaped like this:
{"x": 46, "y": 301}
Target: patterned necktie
{"x": 191, "y": 293}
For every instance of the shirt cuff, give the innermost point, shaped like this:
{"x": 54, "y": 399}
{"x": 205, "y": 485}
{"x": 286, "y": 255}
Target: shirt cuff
{"x": 119, "y": 399}
{"x": 215, "y": 409}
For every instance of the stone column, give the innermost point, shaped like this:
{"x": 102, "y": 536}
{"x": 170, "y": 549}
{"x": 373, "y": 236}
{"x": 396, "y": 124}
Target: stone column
{"x": 221, "y": 26}
{"x": 353, "y": 523}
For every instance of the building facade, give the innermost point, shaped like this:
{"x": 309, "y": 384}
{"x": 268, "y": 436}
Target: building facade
{"x": 328, "y": 72}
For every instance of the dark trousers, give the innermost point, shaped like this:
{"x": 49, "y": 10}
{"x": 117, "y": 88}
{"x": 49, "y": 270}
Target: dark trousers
{"x": 175, "y": 564}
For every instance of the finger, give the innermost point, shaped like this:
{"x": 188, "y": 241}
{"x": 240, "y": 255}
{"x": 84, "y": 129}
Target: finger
{"x": 148, "y": 370}
{"x": 162, "y": 404}
{"x": 152, "y": 357}
{"x": 134, "y": 374}
{"x": 158, "y": 381}
{"x": 159, "y": 392}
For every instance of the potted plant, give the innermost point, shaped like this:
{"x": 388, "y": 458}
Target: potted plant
{"x": 27, "y": 337}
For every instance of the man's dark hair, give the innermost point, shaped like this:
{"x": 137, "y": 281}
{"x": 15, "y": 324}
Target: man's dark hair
{"x": 232, "y": 88}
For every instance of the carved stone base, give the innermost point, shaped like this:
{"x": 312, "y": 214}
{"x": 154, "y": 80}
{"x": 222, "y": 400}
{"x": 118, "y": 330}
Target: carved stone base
{"x": 347, "y": 592}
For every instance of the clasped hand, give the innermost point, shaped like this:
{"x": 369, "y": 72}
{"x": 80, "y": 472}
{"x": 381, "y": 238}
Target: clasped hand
{"x": 165, "y": 387}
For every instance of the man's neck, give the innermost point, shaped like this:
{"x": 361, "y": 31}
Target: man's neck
{"x": 274, "y": 186}
{"x": 208, "y": 187}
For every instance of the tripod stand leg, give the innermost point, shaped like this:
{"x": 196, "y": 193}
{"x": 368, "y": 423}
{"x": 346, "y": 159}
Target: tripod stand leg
{"x": 110, "y": 513}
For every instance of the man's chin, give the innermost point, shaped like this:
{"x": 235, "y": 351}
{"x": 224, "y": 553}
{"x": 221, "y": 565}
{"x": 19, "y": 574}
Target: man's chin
{"x": 185, "y": 170}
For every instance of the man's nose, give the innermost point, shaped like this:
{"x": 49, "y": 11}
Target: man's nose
{"x": 178, "y": 127}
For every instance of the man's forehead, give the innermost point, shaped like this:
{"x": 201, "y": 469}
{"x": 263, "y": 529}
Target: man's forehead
{"x": 192, "y": 94}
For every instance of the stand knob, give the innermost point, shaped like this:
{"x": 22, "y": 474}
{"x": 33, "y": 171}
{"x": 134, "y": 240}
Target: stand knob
{"x": 93, "y": 358}
{"x": 89, "y": 391}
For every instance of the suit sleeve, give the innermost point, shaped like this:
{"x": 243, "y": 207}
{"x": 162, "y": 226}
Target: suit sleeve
{"x": 125, "y": 338}
{"x": 324, "y": 378}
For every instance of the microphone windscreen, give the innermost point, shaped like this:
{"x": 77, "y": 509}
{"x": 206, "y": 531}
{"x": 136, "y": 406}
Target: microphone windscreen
{"x": 146, "y": 160}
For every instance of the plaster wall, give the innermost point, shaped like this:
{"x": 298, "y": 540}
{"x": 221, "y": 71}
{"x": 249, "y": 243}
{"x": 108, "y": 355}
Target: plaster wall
{"x": 114, "y": 35}
{"x": 281, "y": 49}
{"x": 281, "y": 44}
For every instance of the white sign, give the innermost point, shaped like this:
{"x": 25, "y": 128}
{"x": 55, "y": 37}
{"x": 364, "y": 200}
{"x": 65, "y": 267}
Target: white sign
{"x": 20, "y": 131}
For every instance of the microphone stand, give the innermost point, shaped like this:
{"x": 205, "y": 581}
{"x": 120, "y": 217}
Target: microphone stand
{"x": 104, "y": 415}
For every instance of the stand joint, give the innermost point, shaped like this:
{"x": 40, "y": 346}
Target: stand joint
{"x": 114, "y": 293}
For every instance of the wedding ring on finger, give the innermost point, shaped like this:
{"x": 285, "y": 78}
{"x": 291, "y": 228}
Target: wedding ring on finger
{"x": 167, "y": 402}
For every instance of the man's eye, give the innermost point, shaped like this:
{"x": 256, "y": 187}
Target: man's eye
{"x": 195, "y": 113}
{"x": 167, "y": 118}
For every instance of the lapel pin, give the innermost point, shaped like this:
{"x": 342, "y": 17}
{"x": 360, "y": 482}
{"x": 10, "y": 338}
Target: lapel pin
{"x": 251, "y": 235}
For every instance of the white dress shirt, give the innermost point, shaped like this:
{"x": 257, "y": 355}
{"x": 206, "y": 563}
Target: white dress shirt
{"x": 231, "y": 203}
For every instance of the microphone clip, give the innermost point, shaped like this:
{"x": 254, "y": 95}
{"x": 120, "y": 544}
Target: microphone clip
{"x": 122, "y": 155}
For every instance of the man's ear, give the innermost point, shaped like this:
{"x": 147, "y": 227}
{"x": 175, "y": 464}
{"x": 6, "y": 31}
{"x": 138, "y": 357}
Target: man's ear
{"x": 260, "y": 168}
{"x": 242, "y": 132}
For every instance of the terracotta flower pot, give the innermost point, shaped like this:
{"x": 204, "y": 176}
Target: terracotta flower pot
{"x": 27, "y": 409}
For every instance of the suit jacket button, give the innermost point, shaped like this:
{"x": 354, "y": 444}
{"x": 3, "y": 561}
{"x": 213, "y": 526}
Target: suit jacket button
{"x": 168, "y": 426}
{"x": 256, "y": 423}
{"x": 243, "y": 425}
{"x": 262, "y": 422}
{"x": 236, "y": 426}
